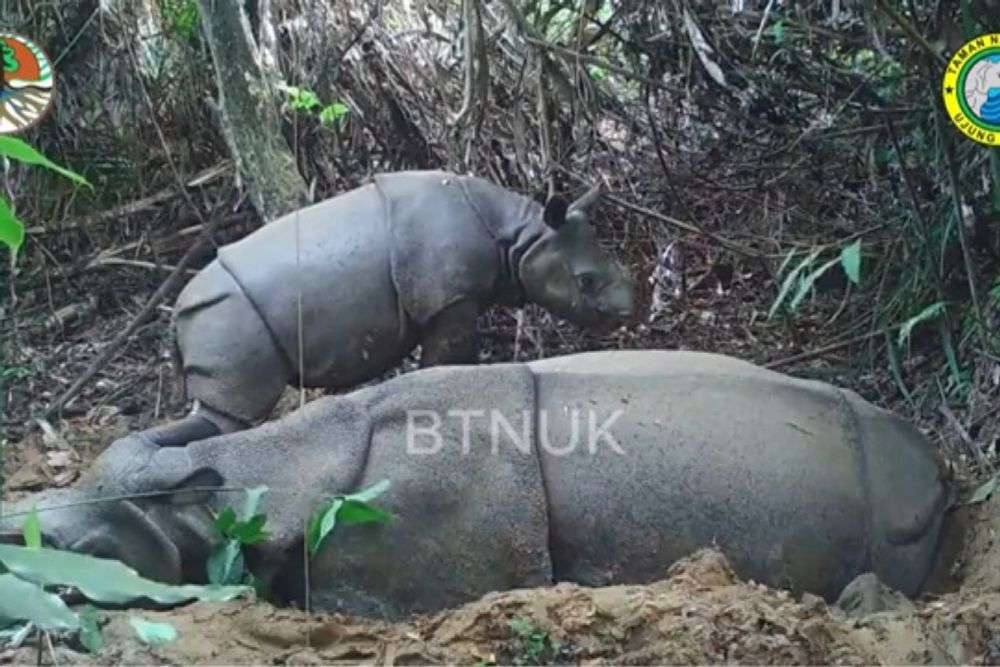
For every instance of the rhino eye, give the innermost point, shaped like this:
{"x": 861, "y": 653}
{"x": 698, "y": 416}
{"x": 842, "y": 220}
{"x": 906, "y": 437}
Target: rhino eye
{"x": 588, "y": 282}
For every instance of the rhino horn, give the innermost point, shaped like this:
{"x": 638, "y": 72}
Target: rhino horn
{"x": 580, "y": 209}
{"x": 558, "y": 212}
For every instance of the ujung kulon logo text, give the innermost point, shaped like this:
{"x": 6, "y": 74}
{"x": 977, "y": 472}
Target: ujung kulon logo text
{"x": 971, "y": 89}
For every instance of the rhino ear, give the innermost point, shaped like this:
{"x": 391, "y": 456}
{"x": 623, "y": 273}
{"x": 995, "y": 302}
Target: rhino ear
{"x": 555, "y": 211}
{"x": 196, "y": 487}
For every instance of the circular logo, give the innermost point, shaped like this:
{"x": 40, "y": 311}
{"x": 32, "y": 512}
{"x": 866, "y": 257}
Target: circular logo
{"x": 971, "y": 89}
{"x": 28, "y": 86}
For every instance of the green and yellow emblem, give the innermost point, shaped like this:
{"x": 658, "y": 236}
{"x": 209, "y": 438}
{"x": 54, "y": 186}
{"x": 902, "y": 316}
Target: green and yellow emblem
{"x": 27, "y": 86}
{"x": 971, "y": 89}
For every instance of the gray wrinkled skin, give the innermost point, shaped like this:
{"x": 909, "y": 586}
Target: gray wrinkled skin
{"x": 410, "y": 258}
{"x": 802, "y": 485}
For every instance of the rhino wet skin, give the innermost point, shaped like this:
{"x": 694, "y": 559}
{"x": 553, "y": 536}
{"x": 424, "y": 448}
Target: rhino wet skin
{"x": 801, "y": 484}
{"x": 411, "y": 257}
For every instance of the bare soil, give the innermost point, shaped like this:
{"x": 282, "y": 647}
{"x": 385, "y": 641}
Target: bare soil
{"x": 700, "y": 613}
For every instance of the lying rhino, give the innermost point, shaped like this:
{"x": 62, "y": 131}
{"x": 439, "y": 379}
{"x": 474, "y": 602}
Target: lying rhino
{"x": 597, "y": 468}
{"x": 360, "y": 279}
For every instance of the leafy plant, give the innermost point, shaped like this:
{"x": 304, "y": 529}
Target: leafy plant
{"x": 333, "y": 113}
{"x": 90, "y": 630}
{"x": 533, "y": 645}
{"x": 226, "y": 565}
{"x": 302, "y": 99}
{"x": 181, "y": 16}
{"x": 778, "y": 32}
{"x": 929, "y": 313}
{"x": 982, "y": 492}
{"x": 11, "y": 228}
{"x": 352, "y": 509}
{"x": 802, "y": 279}
{"x": 28, "y": 573}
{"x": 31, "y": 530}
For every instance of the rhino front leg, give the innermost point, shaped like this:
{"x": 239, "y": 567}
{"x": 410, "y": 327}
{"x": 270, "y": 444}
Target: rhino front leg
{"x": 199, "y": 424}
{"x": 450, "y": 338}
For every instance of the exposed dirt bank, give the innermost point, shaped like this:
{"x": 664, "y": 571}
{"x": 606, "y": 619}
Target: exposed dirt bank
{"x": 699, "y": 613}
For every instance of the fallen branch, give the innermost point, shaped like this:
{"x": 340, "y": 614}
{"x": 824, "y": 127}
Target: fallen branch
{"x": 832, "y": 347}
{"x": 118, "y": 261}
{"x": 666, "y": 219}
{"x": 132, "y": 207}
{"x": 95, "y": 261}
{"x": 119, "y": 341}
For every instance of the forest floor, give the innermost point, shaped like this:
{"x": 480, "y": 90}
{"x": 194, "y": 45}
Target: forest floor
{"x": 699, "y": 613}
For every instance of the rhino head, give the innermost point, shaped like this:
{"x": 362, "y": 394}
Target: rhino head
{"x": 568, "y": 273}
{"x": 154, "y": 519}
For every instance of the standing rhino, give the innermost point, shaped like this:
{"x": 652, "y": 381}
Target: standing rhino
{"x": 596, "y": 468}
{"x": 346, "y": 288}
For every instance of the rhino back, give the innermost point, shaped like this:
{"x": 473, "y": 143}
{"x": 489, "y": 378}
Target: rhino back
{"x": 467, "y": 520}
{"x": 334, "y": 254}
{"x": 442, "y": 249}
{"x": 710, "y": 449}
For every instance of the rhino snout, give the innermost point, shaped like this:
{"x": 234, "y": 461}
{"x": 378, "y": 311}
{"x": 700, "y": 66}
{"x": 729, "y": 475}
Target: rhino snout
{"x": 617, "y": 303}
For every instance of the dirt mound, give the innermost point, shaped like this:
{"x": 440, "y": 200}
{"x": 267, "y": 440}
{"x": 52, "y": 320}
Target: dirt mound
{"x": 700, "y": 613}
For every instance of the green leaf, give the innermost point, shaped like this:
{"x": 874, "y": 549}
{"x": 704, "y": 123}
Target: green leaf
{"x": 983, "y": 492}
{"x": 356, "y": 512}
{"x": 895, "y": 368}
{"x": 333, "y": 112}
{"x": 22, "y": 600}
{"x": 850, "y": 259}
{"x": 11, "y": 229}
{"x": 321, "y": 523}
{"x": 597, "y": 73}
{"x": 305, "y": 100}
{"x": 371, "y": 493}
{"x": 225, "y": 521}
{"x": 31, "y": 530}
{"x": 959, "y": 377}
{"x": 790, "y": 279}
{"x": 225, "y": 564}
{"x": 103, "y": 580}
{"x": 253, "y": 501}
{"x": 352, "y": 509}
{"x": 17, "y": 149}
{"x": 928, "y": 313}
{"x": 785, "y": 261}
{"x": 778, "y": 32}
{"x": 90, "y": 630}
{"x": 154, "y": 634}
{"x": 806, "y": 284}
{"x": 250, "y": 532}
